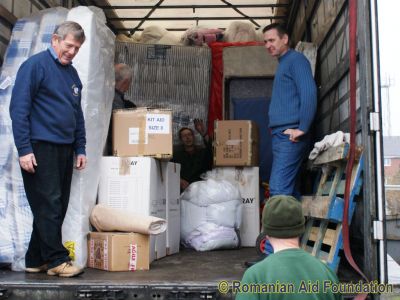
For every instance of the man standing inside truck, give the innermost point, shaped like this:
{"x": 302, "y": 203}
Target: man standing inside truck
{"x": 290, "y": 272}
{"x": 49, "y": 128}
{"x": 291, "y": 112}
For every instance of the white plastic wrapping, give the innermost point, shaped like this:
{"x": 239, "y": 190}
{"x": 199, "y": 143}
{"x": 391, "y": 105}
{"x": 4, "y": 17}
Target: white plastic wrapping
{"x": 192, "y": 216}
{"x": 204, "y": 193}
{"x": 209, "y": 236}
{"x": 226, "y": 214}
{"x": 30, "y": 35}
{"x": 211, "y": 213}
{"x": 95, "y": 65}
{"x": 247, "y": 181}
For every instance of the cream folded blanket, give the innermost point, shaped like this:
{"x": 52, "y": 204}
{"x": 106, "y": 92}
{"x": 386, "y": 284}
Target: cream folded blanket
{"x": 331, "y": 140}
{"x": 105, "y": 218}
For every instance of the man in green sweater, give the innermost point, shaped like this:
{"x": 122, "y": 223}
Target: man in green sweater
{"x": 290, "y": 272}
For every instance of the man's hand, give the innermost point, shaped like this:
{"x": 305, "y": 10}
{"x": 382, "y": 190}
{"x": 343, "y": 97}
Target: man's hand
{"x": 199, "y": 126}
{"x": 294, "y": 134}
{"x": 81, "y": 162}
{"x": 28, "y": 162}
{"x": 184, "y": 184}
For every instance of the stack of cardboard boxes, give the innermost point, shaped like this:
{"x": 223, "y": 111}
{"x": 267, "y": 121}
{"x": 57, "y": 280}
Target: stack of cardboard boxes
{"x": 138, "y": 179}
{"x": 236, "y": 160}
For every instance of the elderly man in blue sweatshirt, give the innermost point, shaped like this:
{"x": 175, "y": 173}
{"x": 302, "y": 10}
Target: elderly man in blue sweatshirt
{"x": 49, "y": 129}
{"x": 291, "y": 112}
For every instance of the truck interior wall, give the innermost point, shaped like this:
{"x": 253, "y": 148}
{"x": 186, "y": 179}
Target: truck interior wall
{"x": 367, "y": 94}
{"x": 325, "y": 23}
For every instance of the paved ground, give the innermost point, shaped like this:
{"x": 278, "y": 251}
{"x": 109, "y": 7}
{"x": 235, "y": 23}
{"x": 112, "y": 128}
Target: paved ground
{"x": 394, "y": 278}
{"x": 393, "y": 271}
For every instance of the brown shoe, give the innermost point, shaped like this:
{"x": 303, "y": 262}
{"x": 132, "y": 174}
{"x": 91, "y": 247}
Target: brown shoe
{"x": 40, "y": 269}
{"x": 66, "y": 269}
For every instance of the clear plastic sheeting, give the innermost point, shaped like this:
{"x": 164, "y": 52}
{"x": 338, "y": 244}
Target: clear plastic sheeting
{"x": 30, "y": 36}
{"x": 211, "y": 191}
{"x": 174, "y": 77}
{"x": 95, "y": 65}
{"x": 211, "y": 214}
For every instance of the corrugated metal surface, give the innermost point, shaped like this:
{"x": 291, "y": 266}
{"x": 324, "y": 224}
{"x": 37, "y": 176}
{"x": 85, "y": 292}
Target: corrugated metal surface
{"x": 325, "y": 23}
{"x": 174, "y": 77}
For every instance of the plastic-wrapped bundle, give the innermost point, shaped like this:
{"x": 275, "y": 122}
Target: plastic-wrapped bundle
{"x": 209, "y": 236}
{"x": 152, "y": 34}
{"x": 157, "y": 35}
{"x": 198, "y": 36}
{"x": 29, "y": 36}
{"x": 22, "y": 42}
{"x": 210, "y": 191}
{"x": 240, "y": 32}
{"x": 226, "y": 214}
{"x": 211, "y": 213}
{"x": 95, "y": 65}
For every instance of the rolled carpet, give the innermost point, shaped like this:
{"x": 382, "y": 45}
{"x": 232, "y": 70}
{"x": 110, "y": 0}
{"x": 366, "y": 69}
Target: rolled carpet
{"x": 105, "y": 218}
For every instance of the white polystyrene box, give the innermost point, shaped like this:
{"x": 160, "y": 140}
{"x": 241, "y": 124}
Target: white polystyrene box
{"x": 171, "y": 177}
{"x": 247, "y": 179}
{"x": 135, "y": 184}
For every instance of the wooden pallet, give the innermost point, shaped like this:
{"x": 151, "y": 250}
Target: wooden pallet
{"x": 324, "y": 209}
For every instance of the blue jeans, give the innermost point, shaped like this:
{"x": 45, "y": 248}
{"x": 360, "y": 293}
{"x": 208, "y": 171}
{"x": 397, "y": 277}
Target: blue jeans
{"x": 47, "y": 191}
{"x": 287, "y": 157}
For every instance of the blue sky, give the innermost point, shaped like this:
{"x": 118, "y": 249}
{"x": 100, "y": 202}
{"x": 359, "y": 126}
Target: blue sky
{"x": 389, "y": 47}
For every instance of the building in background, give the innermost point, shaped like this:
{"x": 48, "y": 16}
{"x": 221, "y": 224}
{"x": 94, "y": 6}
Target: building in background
{"x": 392, "y": 174}
{"x": 391, "y": 146}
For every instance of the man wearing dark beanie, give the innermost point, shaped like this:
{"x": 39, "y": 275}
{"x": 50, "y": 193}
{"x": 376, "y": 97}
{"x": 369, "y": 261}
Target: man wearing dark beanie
{"x": 290, "y": 272}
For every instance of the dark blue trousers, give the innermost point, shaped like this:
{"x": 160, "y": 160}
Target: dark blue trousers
{"x": 287, "y": 157}
{"x": 48, "y": 192}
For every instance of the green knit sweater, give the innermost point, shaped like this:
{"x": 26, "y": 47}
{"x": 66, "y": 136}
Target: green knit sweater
{"x": 287, "y": 274}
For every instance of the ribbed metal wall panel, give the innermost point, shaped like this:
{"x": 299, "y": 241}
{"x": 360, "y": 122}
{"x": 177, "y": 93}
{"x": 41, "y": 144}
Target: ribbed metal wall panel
{"x": 175, "y": 77}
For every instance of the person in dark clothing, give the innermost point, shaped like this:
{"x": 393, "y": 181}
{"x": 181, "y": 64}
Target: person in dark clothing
{"x": 49, "y": 129}
{"x": 123, "y": 80}
{"x": 194, "y": 160}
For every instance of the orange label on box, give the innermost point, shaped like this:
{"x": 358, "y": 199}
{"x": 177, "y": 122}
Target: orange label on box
{"x": 133, "y": 257}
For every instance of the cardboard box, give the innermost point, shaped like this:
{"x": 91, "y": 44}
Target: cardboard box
{"x": 113, "y": 251}
{"x": 247, "y": 179}
{"x": 236, "y": 143}
{"x": 142, "y": 132}
{"x": 135, "y": 184}
{"x": 171, "y": 175}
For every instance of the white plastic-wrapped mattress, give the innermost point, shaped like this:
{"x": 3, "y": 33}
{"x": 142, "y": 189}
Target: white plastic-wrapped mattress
{"x": 95, "y": 65}
{"x": 30, "y": 35}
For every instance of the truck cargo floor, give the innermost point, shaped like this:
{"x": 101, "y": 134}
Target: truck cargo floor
{"x": 188, "y": 269}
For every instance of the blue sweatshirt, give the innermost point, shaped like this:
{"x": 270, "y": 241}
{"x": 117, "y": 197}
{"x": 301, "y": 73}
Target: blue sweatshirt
{"x": 294, "y": 94}
{"x": 46, "y": 104}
